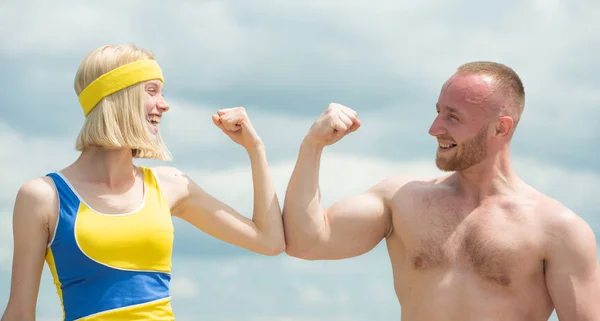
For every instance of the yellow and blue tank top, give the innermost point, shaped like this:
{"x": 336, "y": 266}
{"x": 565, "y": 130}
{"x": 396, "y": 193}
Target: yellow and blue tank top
{"x": 112, "y": 267}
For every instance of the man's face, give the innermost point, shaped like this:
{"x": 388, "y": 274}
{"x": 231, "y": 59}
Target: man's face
{"x": 462, "y": 124}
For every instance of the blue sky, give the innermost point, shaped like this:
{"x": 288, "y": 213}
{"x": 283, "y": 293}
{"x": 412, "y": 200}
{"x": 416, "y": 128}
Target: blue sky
{"x": 285, "y": 61}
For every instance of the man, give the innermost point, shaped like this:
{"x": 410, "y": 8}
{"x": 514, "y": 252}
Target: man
{"x": 477, "y": 244}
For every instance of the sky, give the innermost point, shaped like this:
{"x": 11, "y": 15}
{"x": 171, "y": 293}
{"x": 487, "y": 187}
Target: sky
{"x": 284, "y": 61}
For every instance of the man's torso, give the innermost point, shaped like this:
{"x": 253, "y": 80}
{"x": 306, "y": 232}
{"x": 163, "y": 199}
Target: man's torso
{"x": 458, "y": 261}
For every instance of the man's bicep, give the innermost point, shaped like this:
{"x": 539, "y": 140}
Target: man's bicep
{"x": 573, "y": 271}
{"x": 353, "y": 226}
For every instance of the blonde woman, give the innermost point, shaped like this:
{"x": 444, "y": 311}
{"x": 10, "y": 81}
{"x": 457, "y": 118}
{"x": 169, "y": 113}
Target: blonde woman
{"x": 104, "y": 225}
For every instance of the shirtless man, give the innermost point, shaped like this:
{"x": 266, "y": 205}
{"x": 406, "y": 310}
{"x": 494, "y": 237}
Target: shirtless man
{"x": 477, "y": 244}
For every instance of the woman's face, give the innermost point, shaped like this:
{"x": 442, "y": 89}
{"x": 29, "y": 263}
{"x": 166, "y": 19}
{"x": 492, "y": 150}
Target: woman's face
{"x": 154, "y": 103}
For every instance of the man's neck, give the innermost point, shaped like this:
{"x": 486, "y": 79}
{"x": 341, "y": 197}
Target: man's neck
{"x": 492, "y": 177}
{"x": 110, "y": 167}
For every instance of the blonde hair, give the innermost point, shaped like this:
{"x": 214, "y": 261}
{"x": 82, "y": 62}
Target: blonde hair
{"x": 119, "y": 119}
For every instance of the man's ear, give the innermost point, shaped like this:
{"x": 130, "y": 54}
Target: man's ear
{"x": 504, "y": 125}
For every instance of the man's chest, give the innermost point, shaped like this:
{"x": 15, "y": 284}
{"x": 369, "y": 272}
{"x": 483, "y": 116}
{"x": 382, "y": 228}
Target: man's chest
{"x": 498, "y": 245}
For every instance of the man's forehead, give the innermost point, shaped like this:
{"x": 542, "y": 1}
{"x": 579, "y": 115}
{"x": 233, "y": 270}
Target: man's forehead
{"x": 469, "y": 83}
{"x": 466, "y": 89}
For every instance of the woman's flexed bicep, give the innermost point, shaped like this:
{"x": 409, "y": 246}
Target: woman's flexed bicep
{"x": 207, "y": 213}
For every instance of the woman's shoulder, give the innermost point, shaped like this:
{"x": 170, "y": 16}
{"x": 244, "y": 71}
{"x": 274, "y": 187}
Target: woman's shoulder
{"x": 173, "y": 182}
{"x": 168, "y": 174}
{"x": 36, "y": 198}
{"x": 40, "y": 189}
{"x": 166, "y": 171}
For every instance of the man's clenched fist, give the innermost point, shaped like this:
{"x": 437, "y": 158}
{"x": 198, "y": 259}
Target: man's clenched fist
{"x": 333, "y": 124}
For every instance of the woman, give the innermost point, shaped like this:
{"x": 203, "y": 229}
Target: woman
{"x": 103, "y": 225}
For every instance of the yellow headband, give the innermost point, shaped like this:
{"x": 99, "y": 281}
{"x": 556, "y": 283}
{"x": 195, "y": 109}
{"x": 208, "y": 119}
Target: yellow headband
{"x": 117, "y": 79}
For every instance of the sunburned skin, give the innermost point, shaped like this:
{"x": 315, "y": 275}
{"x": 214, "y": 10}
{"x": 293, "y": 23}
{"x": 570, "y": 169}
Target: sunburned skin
{"x": 477, "y": 244}
{"x": 445, "y": 249}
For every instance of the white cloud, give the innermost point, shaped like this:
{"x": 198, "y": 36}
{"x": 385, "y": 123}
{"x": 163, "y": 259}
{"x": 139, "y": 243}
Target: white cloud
{"x": 359, "y": 172}
{"x": 265, "y": 288}
{"x": 223, "y": 41}
{"x": 183, "y": 287}
{"x": 6, "y": 240}
{"x": 36, "y": 27}
{"x": 310, "y": 295}
{"x": 284, "y": 49}
{"x": 337, "y": 317}
{"x": 305, "y": 47}
{"x": 28, "y": 158}
{"x": 189, "y": 125}
{"x": 576, "y": 188}
{"x": 237, "y": 280}
{"x": 229, "y": 271}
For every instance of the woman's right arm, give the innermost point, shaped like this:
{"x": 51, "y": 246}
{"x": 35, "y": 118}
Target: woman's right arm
{"x": 34, "y": 202}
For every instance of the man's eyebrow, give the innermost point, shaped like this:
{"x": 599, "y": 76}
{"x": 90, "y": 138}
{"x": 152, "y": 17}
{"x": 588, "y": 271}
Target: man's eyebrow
{"x": 449, "y": 108}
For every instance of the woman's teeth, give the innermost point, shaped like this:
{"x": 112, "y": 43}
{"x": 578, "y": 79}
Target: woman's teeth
{"x": 153, "y": 120}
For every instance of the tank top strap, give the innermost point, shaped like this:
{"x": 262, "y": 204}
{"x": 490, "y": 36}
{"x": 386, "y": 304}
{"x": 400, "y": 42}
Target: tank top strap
{"x": 66, "y": 196}
{"x": 154, "y": 191}
{"x": 68, "y": 207}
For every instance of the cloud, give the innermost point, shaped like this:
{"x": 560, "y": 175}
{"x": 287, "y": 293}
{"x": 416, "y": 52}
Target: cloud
{"x": 292, "y": 58}
{"x": 359, "y": 173}
{"x": 6, "y": 242}
{"x": 266, "y": 288}
{"x": 234, "y": 275}
{"x": 195, "y": 141}
{"x": 36, "y": 28}
{"x": 192, "y": 127}
{"x": 310, "y": 295}
{"x": 575, "y": 189}
{"x": 310, "y": 45}
{"x": 352, "y": 170}
{"x": 183, "y": 287}
{"x": 29, "y": 157}
{"x": 285, "y": 61}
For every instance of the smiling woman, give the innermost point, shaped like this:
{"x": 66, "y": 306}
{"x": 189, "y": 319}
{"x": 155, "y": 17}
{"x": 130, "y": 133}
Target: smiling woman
{"x": 116, "y": 116}
{"x": 103, "y": 225}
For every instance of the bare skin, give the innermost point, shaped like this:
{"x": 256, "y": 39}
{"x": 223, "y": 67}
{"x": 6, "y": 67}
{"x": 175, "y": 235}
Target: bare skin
{"x": 110, "y": 183}
{"x": 477, "y": 244}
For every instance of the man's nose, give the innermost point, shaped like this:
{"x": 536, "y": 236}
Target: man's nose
{"x": 437, "y": 128}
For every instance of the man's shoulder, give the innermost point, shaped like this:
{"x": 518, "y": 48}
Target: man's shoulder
{"x": 553, "y": 213}
{"x": 561, "y": 226}
{"x": 405, "y": 185}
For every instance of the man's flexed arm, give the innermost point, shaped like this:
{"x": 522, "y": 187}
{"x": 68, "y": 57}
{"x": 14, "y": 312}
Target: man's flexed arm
{"x": 350, "y": 227}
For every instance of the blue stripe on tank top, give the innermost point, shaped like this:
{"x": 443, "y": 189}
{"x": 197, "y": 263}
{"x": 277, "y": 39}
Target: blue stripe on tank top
{"x": 89, "y": 287}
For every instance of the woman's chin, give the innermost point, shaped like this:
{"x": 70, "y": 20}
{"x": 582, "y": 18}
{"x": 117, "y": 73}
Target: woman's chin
{"x": 153, "y": 129}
